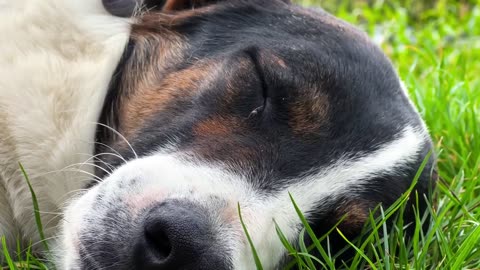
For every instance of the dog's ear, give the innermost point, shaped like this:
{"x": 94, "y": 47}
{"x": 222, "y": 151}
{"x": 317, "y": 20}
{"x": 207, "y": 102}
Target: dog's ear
{"x": 173, "y": 5}
{"x": 121, "y": 8}
{"x": 126, "y": 8}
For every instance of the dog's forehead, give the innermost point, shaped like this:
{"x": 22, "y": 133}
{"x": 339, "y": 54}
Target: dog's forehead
{"x": 229, "y": 24}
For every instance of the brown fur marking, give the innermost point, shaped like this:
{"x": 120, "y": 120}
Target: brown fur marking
{"x": 309, "y": 113}
{"x": 152, "y": 95}
{"x": 216, "y": 139}
{"x": 214, "y": 127}
{"x": 355, "y": 214}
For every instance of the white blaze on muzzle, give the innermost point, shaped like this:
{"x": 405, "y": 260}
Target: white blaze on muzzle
{"x": 145, "y": 182}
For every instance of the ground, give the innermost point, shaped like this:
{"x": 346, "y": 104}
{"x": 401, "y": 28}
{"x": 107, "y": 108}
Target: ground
{"x": 435, "y": 46}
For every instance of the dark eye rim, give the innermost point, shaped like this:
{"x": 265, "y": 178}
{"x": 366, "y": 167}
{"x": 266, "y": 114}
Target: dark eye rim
{"x": 253, "y": 54}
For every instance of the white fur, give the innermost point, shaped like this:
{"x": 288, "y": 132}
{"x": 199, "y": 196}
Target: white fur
{"x": 56, "y": 60}
{"x": 166, "y": 176}
{"x": 334, "y": 180}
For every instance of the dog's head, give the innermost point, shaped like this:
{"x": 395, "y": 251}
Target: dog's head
{"x": 239, "y": 104}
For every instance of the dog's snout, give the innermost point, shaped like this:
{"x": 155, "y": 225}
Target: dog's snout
{"x": 178, "y": 236}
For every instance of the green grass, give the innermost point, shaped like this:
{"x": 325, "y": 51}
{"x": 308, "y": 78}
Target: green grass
{"x": 436, "y": 49}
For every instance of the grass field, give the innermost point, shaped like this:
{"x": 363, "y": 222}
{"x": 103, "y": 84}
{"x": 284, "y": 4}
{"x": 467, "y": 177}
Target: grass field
{"x": 436, "y": 49}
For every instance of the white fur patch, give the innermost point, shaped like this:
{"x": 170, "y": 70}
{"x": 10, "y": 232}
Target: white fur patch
{"x": 333, "y": 181}
{"x": 56, "y": 60}
{"x": 162, "y": 176}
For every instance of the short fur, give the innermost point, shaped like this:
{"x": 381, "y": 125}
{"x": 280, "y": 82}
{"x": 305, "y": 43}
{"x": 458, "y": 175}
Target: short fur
{"x": 232, "y": 103}
{"x": 56, "y": 61}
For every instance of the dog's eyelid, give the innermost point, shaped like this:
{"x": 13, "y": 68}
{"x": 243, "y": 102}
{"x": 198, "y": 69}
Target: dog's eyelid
{"x": 253, "y": 54}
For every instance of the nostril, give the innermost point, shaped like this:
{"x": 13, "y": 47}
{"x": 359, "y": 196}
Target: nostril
{"x": 159, "y": 242}
{"x": 177, "y": 235}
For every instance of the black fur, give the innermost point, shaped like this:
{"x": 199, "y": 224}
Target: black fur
{"x": 366, "y": 105}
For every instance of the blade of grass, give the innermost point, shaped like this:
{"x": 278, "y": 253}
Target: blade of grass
{"x": 386, "y": 260}
{"x": 258, "y": 263}
{"x": 8, "y": 258}
{"x": 36, "y": 208}
{"x": 466, "y": 248}
{"x": 312, "y": 234}
{"x": 304, "y": 250}
{"x": 359, "y": 251}
{"x": 291, "y": 250}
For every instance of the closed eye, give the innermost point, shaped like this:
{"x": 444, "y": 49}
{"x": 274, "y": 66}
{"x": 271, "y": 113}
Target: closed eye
{"x": 252, "y": 53}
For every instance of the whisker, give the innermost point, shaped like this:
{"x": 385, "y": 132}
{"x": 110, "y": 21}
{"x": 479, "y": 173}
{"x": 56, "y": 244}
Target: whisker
{"x": 107, "y": 146}
{"x": 90, "y": 258}
{"x": 65, "y": 169}
{"x": 121, "y": 136}
{"x": 112, "y": 149}
{"x": 38, "y": 243}
{"x": 108, "y": 165}
{"x": 94, "y": 177}
{"x": 50, "y": 213}
{"x": 95, "y": 157}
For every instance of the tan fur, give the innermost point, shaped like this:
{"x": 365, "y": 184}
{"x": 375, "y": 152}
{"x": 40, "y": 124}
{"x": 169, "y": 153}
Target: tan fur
{"x": 309, "y": 104}
{"x": 153, "y": 94}
{"x": 354, "y": 214}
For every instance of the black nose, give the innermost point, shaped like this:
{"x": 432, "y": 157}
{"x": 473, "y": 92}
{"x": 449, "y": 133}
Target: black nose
{"x": 179, "y": 235}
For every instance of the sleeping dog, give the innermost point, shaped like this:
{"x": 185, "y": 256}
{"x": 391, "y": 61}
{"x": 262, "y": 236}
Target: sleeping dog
{"x": 145, "y": 125}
